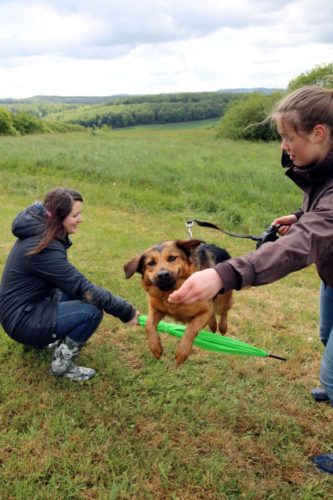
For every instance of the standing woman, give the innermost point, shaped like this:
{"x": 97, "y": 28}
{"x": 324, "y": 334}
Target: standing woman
{"x": 304, "y": 120}
{"x": 44, "y": 299}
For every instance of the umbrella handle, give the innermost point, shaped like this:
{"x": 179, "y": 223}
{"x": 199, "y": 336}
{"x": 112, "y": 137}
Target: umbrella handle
{"x": 276, "y": 357}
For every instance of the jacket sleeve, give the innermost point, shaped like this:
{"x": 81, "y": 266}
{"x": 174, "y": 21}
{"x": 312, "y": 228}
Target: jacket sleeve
{"x": 298, "y": 214}
{"x": 307, "y": 241}
{"x": 53, "y": 266}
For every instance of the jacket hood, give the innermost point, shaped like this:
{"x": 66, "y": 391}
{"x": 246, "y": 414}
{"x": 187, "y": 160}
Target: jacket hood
{"x": 30, "y": 222}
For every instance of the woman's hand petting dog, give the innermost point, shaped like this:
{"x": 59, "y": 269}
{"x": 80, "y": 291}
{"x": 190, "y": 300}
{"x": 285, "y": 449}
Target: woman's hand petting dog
{"x": 201, "y": 285}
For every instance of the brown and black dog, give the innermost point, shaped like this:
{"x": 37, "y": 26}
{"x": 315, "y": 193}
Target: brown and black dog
{"x": 164, "y": 267}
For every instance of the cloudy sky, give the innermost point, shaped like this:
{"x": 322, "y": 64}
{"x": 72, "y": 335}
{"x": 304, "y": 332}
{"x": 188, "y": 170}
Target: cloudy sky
{"x": 108, "y": 47}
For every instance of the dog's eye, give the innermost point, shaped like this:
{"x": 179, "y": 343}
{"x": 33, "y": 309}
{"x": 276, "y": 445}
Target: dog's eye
{"x": 171, "y": 258}
{"x": 151, "y": 263}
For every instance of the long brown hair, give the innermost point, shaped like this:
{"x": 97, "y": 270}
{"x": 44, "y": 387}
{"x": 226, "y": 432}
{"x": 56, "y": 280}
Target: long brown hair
{"x": 59, "y": 204}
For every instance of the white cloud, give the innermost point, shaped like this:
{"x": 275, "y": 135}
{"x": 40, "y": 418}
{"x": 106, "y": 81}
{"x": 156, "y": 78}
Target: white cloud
{"x": 80, "y": 47}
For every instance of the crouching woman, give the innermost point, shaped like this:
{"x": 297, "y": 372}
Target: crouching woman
{"x": 44, "y": 299}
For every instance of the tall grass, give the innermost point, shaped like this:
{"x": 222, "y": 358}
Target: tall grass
{"x": 157, "y": 170}
{"x": 218, "y": 427}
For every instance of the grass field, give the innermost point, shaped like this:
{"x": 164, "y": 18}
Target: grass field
{"x": 219, "y": 426}
{"x": 213, "y": 122}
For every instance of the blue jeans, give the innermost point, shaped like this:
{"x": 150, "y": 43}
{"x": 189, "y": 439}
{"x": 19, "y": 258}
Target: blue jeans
{"x": 77, "y": 319}
{"x": 326, "y": 336}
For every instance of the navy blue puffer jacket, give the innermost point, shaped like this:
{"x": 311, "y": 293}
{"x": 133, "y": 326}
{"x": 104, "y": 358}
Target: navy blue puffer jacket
{"x": 32, "y": 285}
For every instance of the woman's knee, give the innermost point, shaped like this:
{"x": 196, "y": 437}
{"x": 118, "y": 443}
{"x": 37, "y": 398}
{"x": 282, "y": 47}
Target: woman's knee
{"x": 95, "y": 313}
{"x": 77, "y": 315}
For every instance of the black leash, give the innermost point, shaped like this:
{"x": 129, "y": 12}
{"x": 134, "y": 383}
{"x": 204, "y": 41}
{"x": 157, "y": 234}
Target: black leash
{"x": 189, "y": 225}
{"x": 268, "y": 235}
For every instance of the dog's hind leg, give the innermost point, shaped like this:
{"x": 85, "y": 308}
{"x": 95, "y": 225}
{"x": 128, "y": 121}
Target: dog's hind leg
{"x": 223, "y": 323}
{"x": 222, "y": 304}
{"x": 213, "y": 324}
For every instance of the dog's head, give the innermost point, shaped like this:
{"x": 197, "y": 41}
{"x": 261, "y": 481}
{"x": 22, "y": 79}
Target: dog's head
{"x": 164, "y": 264}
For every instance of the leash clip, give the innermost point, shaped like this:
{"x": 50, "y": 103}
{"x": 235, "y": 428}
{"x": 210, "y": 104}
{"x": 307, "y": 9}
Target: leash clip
{"x": 189, "y": 225}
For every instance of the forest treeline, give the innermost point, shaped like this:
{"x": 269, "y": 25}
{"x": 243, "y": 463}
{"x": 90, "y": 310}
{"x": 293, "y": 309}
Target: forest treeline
{"x": 124, "y": 111}
{"x": 153, "y": 110}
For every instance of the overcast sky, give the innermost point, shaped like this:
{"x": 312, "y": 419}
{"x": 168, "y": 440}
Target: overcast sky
{"x": 108, "y": 47}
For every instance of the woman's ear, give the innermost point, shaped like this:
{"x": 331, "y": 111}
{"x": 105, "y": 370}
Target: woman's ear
{"x": 320, "y": 133}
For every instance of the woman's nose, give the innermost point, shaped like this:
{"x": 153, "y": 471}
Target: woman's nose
{"x": 284, "y": 146}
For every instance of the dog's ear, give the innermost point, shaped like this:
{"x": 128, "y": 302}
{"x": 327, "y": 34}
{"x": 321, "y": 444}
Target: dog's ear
{"x": 188, "y": 245}
{"x": 134, "y": 265}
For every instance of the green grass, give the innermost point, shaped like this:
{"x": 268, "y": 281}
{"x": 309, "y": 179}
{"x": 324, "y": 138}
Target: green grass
{"x": 213, "y": 122}
{"x": 218, "y": 427}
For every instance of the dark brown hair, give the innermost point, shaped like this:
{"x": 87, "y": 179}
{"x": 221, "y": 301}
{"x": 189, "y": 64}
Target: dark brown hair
{"x": 59, "y": 204}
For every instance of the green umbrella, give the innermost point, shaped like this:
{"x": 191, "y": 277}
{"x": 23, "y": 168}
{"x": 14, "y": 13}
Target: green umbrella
{"x": 211, "y": 341}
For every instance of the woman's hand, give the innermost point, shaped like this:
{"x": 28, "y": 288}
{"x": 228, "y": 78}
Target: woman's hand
{"x": 201, "y": 285}
{"x": 285, "y": 222}
{"x": 135, "y": 319}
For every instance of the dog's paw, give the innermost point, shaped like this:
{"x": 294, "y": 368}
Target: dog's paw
{"x": 156, "y": 348}
{"x": 182, "y": 354}
{"x": 223, "y": 326}
{"x": 213, "y": 325}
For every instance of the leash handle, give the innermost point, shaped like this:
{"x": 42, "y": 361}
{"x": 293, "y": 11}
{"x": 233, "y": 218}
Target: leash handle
{"x": 189, "y": 225}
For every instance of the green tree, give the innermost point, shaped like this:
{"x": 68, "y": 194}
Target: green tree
{"x": 320, "y": 75}
{"x": 247, "y": 119}
{"x": 6, "y": 123}
{"x": 27, "y": 124}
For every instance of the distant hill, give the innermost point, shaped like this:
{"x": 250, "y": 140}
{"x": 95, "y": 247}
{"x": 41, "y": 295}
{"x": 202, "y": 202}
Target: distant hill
{"x": 261, "y": 90}
{"x": 92, "y": 100}
{"x": 54, "y": 99}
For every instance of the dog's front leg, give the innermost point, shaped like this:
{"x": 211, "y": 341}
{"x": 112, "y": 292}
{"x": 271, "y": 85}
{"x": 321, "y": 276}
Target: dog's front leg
{"x": 192, "y": 329}
{"x": 153, "y": 337}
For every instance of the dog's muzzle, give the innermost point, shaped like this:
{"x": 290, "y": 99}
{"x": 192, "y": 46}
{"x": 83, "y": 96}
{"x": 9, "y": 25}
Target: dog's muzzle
{"x": 164, "y": 280}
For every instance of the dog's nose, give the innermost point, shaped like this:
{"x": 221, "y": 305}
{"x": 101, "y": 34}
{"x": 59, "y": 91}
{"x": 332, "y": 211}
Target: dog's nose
{"x": 164, "y": 280}
{"x": 163, "y": 274}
